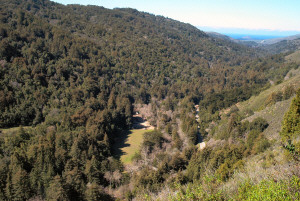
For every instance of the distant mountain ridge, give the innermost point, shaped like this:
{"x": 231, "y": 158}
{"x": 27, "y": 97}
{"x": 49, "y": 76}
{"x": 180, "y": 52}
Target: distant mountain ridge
{"x": 221, "y": 36}
{"x": 271, "y": 46}
{"x": 277, "y": 40}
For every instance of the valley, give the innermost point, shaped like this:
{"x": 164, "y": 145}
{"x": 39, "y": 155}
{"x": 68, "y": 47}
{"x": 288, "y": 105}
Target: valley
{"x": 120, "y": 104}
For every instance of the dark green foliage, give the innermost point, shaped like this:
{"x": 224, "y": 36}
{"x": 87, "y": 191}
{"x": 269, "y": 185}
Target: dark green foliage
{"x": 189, "y": 125}
{"x": 285, "y": 94}
{"x": 261, "y": 145}
{"x": 258, "y": 124}
{"x": 96, "y": 192}
{"x": 152, "y": 139}
{"x": 217, "y": 101}
{"x": 176, "y": 139}
{"x": 226, "y": 159}
{"x": 57, "y": 47}
{"x": 256, "y": 142}
{"x": 73, "y": 72}
{"x": 57, "y": 190}
{"x": 291, "y": 127}
{"x": 251, "y": 138}
{"x": 291, "y": 122}
{"x": 234, "y": 121}
{"x": 177, "y": 163}
{"x": 55, "y": 163}
{"x": 223, "y": 160}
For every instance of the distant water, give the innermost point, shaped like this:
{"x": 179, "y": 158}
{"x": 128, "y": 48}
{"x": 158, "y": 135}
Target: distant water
{"x": 251, "y": 37}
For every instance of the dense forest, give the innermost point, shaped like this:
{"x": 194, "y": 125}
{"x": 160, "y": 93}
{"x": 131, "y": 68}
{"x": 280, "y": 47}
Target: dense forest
{"x": 71, "y": 78}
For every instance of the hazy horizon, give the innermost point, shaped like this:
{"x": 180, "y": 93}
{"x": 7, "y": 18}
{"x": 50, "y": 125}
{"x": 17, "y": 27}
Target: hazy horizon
{"x": 269, "y": 17}
{"x": 259, "y": 34}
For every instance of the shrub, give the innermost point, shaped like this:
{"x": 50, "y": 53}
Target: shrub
{"x": 270, "y": 190}
{"x": 288, "y": 92}
{"x": 152, "y": 139}
{"x": 261, "y": 145}
{"x": 259, "y": 124}
{"x": 251, "y": 138}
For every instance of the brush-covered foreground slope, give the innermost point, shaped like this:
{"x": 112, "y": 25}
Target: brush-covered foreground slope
{"x": 259, "y": 154}
{"x": 72, "y": 75}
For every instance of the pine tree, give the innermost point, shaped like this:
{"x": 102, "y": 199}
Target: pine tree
{"x": 3, "y": 177}
{"x": 95, "y": 192}
{"x": 56, "y": 190}
{"x": 291, "y": 121}
{"x": 291, "y": 128}
{"x": 20, "y": 185}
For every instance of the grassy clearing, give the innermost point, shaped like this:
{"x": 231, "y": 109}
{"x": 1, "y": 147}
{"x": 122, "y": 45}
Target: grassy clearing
{"x": 128, "y": 144}
{"x": 13, "y": 130}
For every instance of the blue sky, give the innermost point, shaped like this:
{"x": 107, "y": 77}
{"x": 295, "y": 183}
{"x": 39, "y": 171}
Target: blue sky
{"x": 279, "y": 17}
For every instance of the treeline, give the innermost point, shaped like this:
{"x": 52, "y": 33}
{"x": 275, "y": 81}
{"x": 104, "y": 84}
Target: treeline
{"x": 62, "y": 85}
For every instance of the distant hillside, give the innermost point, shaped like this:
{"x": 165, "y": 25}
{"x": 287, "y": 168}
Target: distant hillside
{"x": 294, "y": 57}
{"x": 276, "y": 45}
{"x": 221, "y": 36}
{"x": 270, "y": 46}
{"x": 277, "y": 40}
{"x": 247, "y": 43}
{"x": 282, "y": 46}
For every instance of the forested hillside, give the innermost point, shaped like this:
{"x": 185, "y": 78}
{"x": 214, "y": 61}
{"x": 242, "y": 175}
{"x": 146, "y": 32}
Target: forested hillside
{"x": 283, "y": 46}
{"x": 71, "y": 78}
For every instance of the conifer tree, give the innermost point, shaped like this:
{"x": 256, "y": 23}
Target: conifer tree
{"x": 291, "y": 128}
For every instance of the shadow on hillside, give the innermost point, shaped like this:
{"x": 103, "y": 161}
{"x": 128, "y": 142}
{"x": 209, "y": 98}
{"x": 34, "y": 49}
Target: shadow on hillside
{"x": 138, "y": 122}
{"x": 119, "y": 143}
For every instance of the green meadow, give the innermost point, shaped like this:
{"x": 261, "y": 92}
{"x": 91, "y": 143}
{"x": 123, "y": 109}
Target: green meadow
{"x": 128, "y": 144}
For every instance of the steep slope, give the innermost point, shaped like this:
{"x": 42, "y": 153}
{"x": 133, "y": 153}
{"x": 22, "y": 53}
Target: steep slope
{"x": 73, "y": 74}
{"x": 283, "y": 46}
{"x": 145, "y": 55}
{"x": 294, "y": 57}
{"x": 270, "y": 170}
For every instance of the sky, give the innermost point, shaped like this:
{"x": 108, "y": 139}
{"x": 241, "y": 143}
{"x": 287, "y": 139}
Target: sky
{"x": 264, "y": 17}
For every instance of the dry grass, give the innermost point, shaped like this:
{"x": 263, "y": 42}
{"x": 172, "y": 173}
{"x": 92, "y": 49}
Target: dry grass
{"x": 274, "y": 115}
{"x": 257, "y": 103}
{"x": 12, "y": 131}
{"x": 272, "y": 164}
{"x": 294, "y": 57}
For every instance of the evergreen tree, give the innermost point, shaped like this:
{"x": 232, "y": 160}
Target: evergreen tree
{"x": 290, "y": 131}
{"x": 56, "y": 190}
